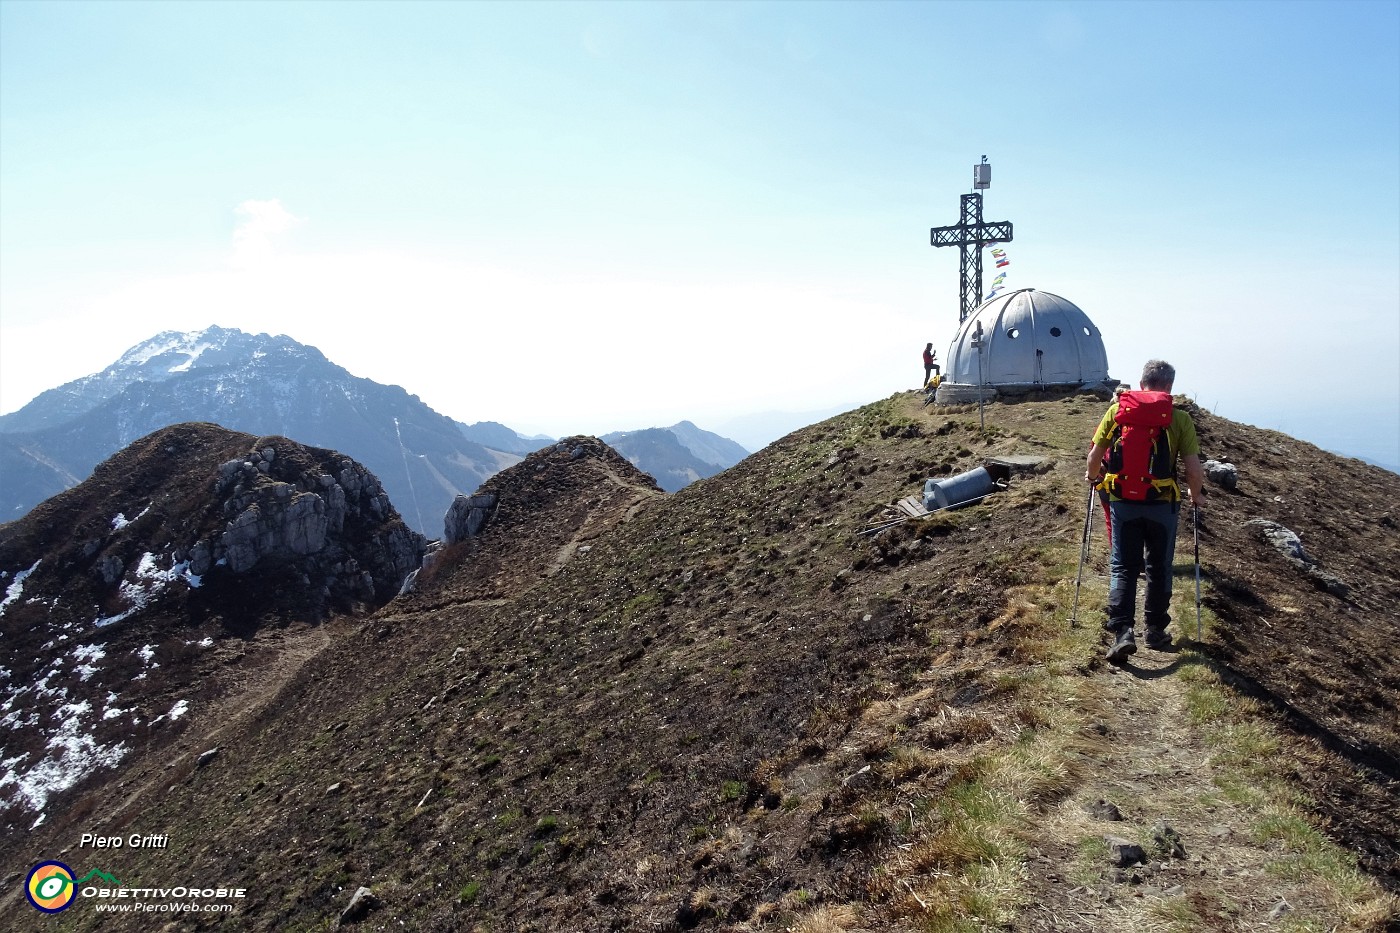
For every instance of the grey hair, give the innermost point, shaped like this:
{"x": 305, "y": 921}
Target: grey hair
{"x": 1158, "y": 375}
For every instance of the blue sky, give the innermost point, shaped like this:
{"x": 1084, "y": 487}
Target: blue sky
{"x": 584, "y": 217}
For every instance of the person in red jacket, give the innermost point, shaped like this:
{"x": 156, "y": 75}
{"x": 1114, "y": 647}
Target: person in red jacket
{"x": 930, "y": 367}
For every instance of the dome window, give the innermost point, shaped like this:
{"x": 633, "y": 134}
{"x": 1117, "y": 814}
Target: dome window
{"x": 1054, "y": 332}
{"x": 1088, "y": 332}
{"x": 1014, "y": 332}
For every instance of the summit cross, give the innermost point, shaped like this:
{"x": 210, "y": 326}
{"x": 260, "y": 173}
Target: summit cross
{"x": 971, "y": 235}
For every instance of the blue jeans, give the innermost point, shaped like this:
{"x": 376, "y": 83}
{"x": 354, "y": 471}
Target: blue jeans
{"x": 1144, "y": 538}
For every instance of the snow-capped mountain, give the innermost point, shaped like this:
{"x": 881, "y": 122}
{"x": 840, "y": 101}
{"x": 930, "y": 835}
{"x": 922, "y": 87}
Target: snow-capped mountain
{"x": 255, "y": 383}
{"x": 167, "y": 355}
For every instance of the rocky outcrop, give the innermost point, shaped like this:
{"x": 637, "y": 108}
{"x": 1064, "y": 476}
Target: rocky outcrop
{"x": 1290, "y": 546}
{"x": 203, "y": 515}
{"x": 283, "y": 511}
{"x": 467, "y": 517}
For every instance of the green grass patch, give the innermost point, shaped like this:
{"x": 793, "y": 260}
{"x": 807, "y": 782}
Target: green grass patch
{"x": 1176, "y": 915}
{"x": 1246, "y": 751}
{"x": 640, "y": 605}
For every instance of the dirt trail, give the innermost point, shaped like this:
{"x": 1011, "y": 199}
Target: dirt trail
{"x": 257, "y": 688}
{"x": 591, "y": 524}
{"x": 1146, "y": 756}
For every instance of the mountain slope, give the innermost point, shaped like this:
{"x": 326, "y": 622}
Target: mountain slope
{"x": 727, "y": 709}
{"x": 258, "y": 384}
{"x": 127, "y": 595}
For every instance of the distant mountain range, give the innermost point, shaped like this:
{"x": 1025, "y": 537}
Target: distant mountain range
{"x": 499, "y": 437}
{"x": 265, "y": 385}
{"x": 676, "y": 456}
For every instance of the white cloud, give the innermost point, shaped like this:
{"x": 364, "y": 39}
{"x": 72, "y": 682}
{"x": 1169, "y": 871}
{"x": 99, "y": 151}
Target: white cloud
{"x": 262, "y": 223}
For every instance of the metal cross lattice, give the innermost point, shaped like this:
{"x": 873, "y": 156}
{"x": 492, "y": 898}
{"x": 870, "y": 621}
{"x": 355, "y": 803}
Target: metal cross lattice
{"x": 971, "y": 234}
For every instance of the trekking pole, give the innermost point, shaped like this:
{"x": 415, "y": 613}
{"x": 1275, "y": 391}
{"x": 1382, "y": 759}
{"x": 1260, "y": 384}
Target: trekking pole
{"x": 1196, "y": 534}
{"x": 1083, "y": 551}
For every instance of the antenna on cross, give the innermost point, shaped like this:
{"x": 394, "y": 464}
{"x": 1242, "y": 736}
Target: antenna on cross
{"x": 970, "y": 234}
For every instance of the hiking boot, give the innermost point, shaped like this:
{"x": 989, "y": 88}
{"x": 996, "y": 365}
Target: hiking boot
{"x": 1123, "y": 646}
{"x": 1158, "y": 639}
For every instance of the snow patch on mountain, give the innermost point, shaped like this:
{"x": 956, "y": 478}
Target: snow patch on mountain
{"x": 72, "y": 754}
{"x": 188, "y": 346}
{"x": 150, "y": 581}
{"x": 16, "y": 588}
{"x": 121, "y": 521}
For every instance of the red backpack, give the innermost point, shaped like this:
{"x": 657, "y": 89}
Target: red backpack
{"x": 1139, "y": 460}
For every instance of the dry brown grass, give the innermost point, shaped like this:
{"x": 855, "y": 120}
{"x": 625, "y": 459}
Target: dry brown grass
{"x": 838, "y": 918}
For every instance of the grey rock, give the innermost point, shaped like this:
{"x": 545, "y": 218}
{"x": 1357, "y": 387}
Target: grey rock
{"x": 1224, "y": 475}
{"x": 1291, "y": 547}
{"x": 206, "y": 758}
{"x": 241, "y": 538}
{"x": 110, "y": 568}
{"x": 335, "y": 508}
{"x": 306, "y": 524}
{"x": 467, "y": 517}
{"x": 349, "y": 478}
{"x": 361, "y": 903}
{"x": 201, "y": 558}
{"x": 1284, "y": 541}
{"x": 1167, "y": 841}
{"x": 1123, "y": 852}
{"x": 1103, "y": 810}
{"x": 861, "y": 780}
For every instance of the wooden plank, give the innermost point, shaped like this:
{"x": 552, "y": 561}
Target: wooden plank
{"x": 1019, "y": 461}
{"x": 913, "y": 506}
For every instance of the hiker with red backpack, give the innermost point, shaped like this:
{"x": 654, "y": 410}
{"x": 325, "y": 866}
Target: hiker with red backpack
{"x": 1134, "y": 459}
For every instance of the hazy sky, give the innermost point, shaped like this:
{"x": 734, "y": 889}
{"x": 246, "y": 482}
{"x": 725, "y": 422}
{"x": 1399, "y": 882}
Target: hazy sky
{"x": 582, "y": 217}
